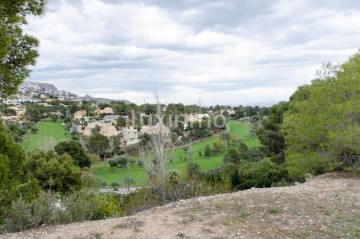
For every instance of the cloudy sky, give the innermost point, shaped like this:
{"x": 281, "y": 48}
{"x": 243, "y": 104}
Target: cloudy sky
{"x": 222, "y": 51}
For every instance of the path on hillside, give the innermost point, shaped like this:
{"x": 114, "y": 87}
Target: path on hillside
{"x": 327, "y": 207}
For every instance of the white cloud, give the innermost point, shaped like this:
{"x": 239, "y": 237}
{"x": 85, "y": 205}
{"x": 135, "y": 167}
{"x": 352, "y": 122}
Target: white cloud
{"x": 216, "y": 51}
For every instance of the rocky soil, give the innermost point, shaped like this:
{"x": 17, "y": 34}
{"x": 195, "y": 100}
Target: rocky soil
{"x": 326, "y": 207}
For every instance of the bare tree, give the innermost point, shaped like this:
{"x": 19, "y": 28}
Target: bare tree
{"x": 155, "y": 161}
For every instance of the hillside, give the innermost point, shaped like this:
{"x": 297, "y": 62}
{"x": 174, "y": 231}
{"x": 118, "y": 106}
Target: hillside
{"x": 326, "y": 207}
{"x": 30, "y": 88}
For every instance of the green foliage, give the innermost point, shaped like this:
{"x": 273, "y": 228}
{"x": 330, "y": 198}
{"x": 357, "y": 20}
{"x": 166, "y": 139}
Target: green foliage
{"x": 232, "y": 156}
{"x": 121, "y": 122}
{"x": 4, "y": 170}
{"x": 5, "y": 110}
{"x": 91, "y": 182}
{"x": 243, "y": 150}
{"x": 12, "y": 157}
{"x": 115, "y": 186}
{"x": 76, "y": 151}
{"x": 120, "y": 161}
{"x": 261, "y": 174}
{"x": 53, "y": 172}
{"x": 193, "y": 170}
{"x": 34, "y": 113}
{"x": 17, "y": 49}
{"x": 18, "y": 130}
{"x": 49, "y": 209}
{"x": 270, "y": 133}
{"x": 207, "y": 151}
{"x": 98, "y": 144}
{"x": 28, "y": 190}
{"x": 321, "y": 126}
{"x": 217, "y": 146}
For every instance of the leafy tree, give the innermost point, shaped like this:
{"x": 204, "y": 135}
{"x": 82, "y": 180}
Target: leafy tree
{"x": 270, "y": 135}
{"x": 121, "y": 122}
{"x": 249, "y": 111}
{"x": 17, "y": 130}
{"x": 232, "y": 156}
{"x": 207, "y": 151}
{"x": 17, "y": 49}
{"x": 261, "y": 174}
{"x": 243, "y": 150}
{"x": 255, "y": 154}
{"x": 226, "y": 114}
{"x": 53, "y": 172}
{"x": 76, "y": 151}
{"x": 5, "y": 110}
{"x": 321, "y": 127}
{"x": 226, "y": 137}
{"x": 120, "y": 161}
{"x": 98, "y": 144}
{"x": 217, "y": 146}
{"x": 193, "y": 170}
{"x": 115, "y": 186}
{"x": 12, "y": 157}
{"x": 239, "y": 113}
{"x": 34, "y": 113}
{"x": 4, "y": 170}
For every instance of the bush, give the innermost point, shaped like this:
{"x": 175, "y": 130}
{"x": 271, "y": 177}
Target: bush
{"x": 91, "y": 182}
{"x": 232, "y": 156}
{"x": 207, "y": 151}
{"x": 115, "y": 186}
{"x": 120, "y": 161}
{"x": 34, "y": 130}
{"x": 193, "y": 170}
{"x": 48, "y": 209}
{"x": 94, "y": 158}
{"x": 263, "y": 173}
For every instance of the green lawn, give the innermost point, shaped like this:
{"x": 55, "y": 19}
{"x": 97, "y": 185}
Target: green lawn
{"x": 238, "y": 129}
{"x": 49, "y": 134}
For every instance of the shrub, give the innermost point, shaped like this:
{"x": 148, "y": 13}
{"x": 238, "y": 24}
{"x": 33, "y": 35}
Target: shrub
{"x": 193, "y": 170}
{"x": 115, "y": 186}
{"x": 48, "y": 209}
{"x": 94, "y": 158}
{"x": 262, "y": 173}
{"x": 232, "y": 156}
{"x": 91, "y": 182}
{"x": 19, "y": 216}
{"x": 207, "y": 151}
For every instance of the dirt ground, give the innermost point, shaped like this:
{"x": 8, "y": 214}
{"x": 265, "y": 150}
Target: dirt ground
{"x": 326, "y": 207}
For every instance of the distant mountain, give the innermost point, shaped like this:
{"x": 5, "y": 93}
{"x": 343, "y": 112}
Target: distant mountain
{"x": 103, "y": 100}
{"x": 36, "y": 88}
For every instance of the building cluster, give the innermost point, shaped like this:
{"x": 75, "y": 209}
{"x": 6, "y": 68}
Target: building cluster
{"x": 108, "y": 124}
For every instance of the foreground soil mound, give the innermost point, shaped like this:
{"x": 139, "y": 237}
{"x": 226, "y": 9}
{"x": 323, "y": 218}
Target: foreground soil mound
{"x": 326, "y": 207}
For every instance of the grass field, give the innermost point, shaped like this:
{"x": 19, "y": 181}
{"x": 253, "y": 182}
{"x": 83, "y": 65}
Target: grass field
{"x": 238, "y": 129}
{"x": 49, "y": 134}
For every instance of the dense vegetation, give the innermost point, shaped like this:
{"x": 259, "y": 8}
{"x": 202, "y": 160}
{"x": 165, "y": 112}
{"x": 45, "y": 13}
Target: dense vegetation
{"x": 321, "y": 127}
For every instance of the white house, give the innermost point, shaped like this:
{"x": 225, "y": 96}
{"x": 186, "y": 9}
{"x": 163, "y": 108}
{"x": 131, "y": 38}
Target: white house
{"x": 130, "y": 135}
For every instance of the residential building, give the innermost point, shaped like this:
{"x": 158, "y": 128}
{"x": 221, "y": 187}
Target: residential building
{"x": 130, "y": 135}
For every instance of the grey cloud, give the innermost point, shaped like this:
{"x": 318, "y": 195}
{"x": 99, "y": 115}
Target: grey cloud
{"x": 262, "y": 49}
